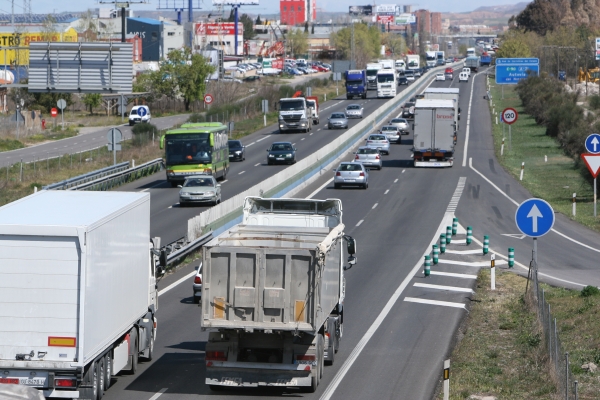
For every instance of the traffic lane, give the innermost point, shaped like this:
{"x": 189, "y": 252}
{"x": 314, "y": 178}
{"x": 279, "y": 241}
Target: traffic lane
{"x": 80, "y": 143}
{"x": 492, "y": 213}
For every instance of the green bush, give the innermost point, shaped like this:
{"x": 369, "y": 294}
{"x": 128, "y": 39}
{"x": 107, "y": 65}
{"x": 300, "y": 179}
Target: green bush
{"x": 594, "y": 101}
{"x": 589, "y": 291}
{"x": 10, "y": 144}
{"x": 143, "y": 133}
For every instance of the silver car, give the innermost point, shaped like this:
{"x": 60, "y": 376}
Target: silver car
{"x": 368, "y": 157}
{"x": 379, "y": 142}
{"x": 391, "y": 132}
{"x": 351, "y": 174}
{"x": 197, "y": 285}
{"x": 337, "y": 120}
{"x": 200, "y": 189}
{"x": 401, "y": 123}
{"x": 354, "y": 111}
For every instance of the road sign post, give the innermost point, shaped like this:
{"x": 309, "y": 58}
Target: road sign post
{"x": 535, "y": 218}
{"x": 509, "y": 116}
{"x": 114, "y": 137}
{"x": 593, "y": 163}
{"x": 207, "y": 99}
{"x": 62, "y": 104}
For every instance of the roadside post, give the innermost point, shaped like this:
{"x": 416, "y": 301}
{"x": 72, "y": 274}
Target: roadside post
{"x": 114, "y": 137}
{"x": 469, "y": 235}
{"x": 534, "y": 218}
{"x": 509, "y": 116}
{"x": 62, "y": 104}
{"x": 446, "y": 379}
{"x": 454, "y": 226}
{"x": 442, "y": 243}
{"x": 207, "y": 100}
{"x": 427, "y": 267}
{"x": 436, "y": 253}
{"x": 448, "y": 234}
{"x": 337, "y": 76}
{"x": 265, "y": 109}
{"x": 493, "y": 271}
{"x": 511, "y": 257}
{"x": 574, "y": 204}
{"x": 486, "y": 244}
{"x": 592, "y": 160}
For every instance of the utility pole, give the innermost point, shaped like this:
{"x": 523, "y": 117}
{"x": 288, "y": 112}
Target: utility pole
{"x": 352, "y": 43}
{"x": 123, "y": 5}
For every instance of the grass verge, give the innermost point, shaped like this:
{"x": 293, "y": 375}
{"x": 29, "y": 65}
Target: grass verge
{"x": 549, "y": 173}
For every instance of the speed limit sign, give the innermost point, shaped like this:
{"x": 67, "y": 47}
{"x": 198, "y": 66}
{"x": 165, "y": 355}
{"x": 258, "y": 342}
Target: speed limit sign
{"x": 208, "y": 98}
{"x": 509, "y": 116}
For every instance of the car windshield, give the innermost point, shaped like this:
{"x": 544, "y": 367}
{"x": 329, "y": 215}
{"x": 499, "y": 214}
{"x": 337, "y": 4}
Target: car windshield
{"x": 353, "y": 107}
{"x": 377, "y": 137}
{"x": 281, "y": 147}
{"x": 389, "y": 128}
{"x": 372, "y": 72}
{"x": 198, "y": 182}
{"x": 409, "y": 104}
{"x": 366, "y": 150}
{"x": 291, "y": 105}
{"x": 234, "y": 143}
{"x": 350, "y": 167}
{"x": 411, "y": 73}
{"x": 398, "y": 121}
{"x": 338, "y": 116}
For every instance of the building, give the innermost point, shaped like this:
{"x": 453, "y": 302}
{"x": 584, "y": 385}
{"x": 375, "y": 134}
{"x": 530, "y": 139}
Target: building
{"x": 173, "y": 37}
{"x": 137, "y": 45}
{"x": 150, "y": 31}
{"x": 297, "y": 12}
{"x": 423, "y": 21}
{"x": 218, "y": 35}
{"x": 436, "y": 23}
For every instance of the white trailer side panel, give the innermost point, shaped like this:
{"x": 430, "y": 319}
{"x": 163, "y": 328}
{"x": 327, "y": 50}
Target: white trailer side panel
{"x": 434, "y": 125}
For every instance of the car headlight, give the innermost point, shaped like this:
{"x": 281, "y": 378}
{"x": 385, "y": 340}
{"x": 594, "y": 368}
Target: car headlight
{"x": 184, "y": 194}
{"x": 210, "y": 193}
{"x": 288, "y": 155}
{"x": 238, "y": 152}
{"x": 271, "y": 156}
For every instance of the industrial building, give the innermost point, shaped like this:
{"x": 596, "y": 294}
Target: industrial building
{"x": 297, "y": 12}
{"x": 219, "y": 36}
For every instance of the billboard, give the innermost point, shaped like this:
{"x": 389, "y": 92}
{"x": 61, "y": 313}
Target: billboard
{"x": 14, "y": 45}
{"x": 405, "y": 19}
{"x": 385, "y": 19}
{"x": 361, "y": 10}
{"x": 218, "y": 28}
{"x": 235, "y": 2}
{"x": 597, "y": 49}
{"x": 386, "y": 9}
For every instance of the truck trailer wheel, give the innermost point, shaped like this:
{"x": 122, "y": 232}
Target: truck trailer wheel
{"x": 91, "y": 380}
{"x": 101, "y": 376}
{"x": 107, "y": 370}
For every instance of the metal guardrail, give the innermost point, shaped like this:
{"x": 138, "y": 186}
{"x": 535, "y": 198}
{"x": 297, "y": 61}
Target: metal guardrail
{"x": 90, "y": 176}
{"x": 187, "y": 249}
{"x": 119, "y": 178}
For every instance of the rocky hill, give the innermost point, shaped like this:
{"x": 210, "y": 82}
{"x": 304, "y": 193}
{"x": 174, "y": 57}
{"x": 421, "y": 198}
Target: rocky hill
{"x": 486, "y": 15}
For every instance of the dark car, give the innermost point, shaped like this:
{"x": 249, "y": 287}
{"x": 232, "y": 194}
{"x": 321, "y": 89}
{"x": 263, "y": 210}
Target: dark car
{"x": 237, "y": 151}
{"x": 281, "y": 153}
{"x": 402, "y": 80}
{"x": 251, "y": 78}
{"x": 408, "y": 110}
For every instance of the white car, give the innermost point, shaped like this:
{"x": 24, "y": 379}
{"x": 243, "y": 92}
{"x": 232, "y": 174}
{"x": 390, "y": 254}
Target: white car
{"x": 197, "y": 285}
{"x": 440, "y": 77}
{"x": 139, "y": 114}
{"x": 467, "y": 70}
{"x": 463, "y": 77}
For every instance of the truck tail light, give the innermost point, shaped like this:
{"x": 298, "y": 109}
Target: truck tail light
{"x": 197, "y": 279}
{"x": 215, "y": 356}
{"x": 65, "y": 382}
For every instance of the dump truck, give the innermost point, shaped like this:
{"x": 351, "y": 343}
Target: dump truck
{"x": 434, "y": 133}
{"x": 273, "y": 294}
{"x": 294, "y": 114}
{"x": 78, "y": 290}
{"x": 313, "y": 103}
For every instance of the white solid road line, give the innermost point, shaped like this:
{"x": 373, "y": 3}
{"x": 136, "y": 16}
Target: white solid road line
{"x": 172, "y": 285}
{"x": 374, "y": 206}
{"x": 463, "y": 251}
{"x": 257, "y": 164}
{"x": 250, "y": 144}
{"x": 454, "y": 275}
{"x": 435, "y": 302}
{"x": 241, "y": 172}
{"x": 302, "y": 139}
{"x": 403, "y": 171}
{"x": 442, "y": 287}
{"x": 396, "y": 180}
{"x": 360, "y": 222}
{"x": 464, "y": 164}
{"x": 262, "y": 139}
{"x": 387, "y": 191}
{"x": 517, "y": 204}
{"x": 310, "y": 196}
{"x": 158, "y": 394}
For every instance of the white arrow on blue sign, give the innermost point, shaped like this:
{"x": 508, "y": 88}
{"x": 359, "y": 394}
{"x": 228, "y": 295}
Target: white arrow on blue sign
{"x": 142, "y": 111}
{"x": 592, "y": 143}
{"x": 534, "y": 217}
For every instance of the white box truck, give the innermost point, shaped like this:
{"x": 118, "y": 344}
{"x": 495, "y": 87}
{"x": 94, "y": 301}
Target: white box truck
{"x": 77, "y": 290}
{"x": 273, "y": 294}
{"x": 372, "y": 69}
{"x": 434, "y": 133}
{"x": 439, "y": 93}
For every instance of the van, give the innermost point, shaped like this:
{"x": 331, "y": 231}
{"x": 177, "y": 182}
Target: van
{"x": 139, "y": 114}
{"x": 467, "y": 70}
{"x": 463, "y": 77}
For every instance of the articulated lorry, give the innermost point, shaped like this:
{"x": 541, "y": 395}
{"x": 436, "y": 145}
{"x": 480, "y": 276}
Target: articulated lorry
{"x": 441, "y": 58}
{"x": 273, "y": 294}
{"x": 472, "y": 63}
{"x": 78, "y": 290}
{"x": 294, "y": 115}
{"x": 440, "y": 93}
{"x": 372, "y": 69}
{"x": 356, "y": 83}
{"x": 434, "y": 133}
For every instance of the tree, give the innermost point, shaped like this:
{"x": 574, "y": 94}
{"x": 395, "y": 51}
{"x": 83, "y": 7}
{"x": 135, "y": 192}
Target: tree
{"x": 297, "y": 42}
{"x": 92, "y": 100}
{"x": 394, "y": 43}
{"x": 513, "y": 48}
{"x": 258, "y": 21}
{"x": 87, "y": 26}
{"x": 48, "y": 28}
{"x": 248, "y": 25}
{"x": 462, "y": 49}
{"x": 367, "y": 43}
{"x": 540, "y": 16}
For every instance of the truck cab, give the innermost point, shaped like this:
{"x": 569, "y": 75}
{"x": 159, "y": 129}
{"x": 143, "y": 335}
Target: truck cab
{"x": 294, "y": 115}
{"x": 356, "y": 83}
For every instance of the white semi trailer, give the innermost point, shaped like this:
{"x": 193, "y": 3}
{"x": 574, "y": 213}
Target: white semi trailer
{"x": 273, "y": 294}
{"x": 440, "y": 93}
{"x": 78, "y": 290}
{"x": 434, "y": 133}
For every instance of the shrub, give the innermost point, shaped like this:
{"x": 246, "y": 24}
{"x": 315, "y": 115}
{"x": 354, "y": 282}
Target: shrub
{"x": 144, "y": 133}
{"x": 589, "y": 291}
{"x": 594, "y": 101}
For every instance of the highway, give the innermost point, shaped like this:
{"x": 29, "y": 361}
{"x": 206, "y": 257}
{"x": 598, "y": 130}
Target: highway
{"x": 399, "y": 326}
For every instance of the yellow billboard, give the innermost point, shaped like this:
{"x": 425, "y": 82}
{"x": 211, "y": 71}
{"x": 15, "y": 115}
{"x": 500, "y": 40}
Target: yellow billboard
{"x": 10, "y": 41}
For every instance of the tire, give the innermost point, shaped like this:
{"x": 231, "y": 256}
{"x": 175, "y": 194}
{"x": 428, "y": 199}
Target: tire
{"x": 101, "y": 377}
{"x": 173, "y": 184}
{"x": 332, "y": 355}
{"x": 91, "y": 378}
{"x": 365, "y": 186}
{"x": 336, "y": 185}
{"x": 197, "y": 299}
{"x": 379, "y": 168}
{"x": 107, "y": 370}
{"x": 269, "y": 163}
{"x": 316, "y": 377}
{"x": 216, "y": 388}
{"x": 321, "y": 356}
{"x": 224, "y": 174}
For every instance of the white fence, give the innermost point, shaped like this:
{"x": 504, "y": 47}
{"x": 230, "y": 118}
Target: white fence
{"x": 292, "y": 179}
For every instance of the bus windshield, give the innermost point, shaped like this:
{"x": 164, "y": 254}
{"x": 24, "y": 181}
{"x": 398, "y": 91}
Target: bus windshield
{"x": 188, "y": 149}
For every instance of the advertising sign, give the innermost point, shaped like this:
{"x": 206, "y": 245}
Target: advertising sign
{"x": 361, "y": 10}
{"x": 218, "y": 28}
{"x": 385, "y": 19}
{"x": 235, "y": 2}
{"x": 386, "y": 9}
{"x": 597, "y": 49}
{"x": 512, "y": 70}
{"x": 405, "y": 19}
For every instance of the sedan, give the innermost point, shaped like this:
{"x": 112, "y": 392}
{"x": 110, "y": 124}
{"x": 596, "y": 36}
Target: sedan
{"x": 440, "y": 77}
{"x": 197, "y": 285}
{"x": 391, "y": 132}
{"x": 237, "y": 151}
{"x": 401, "y": 124}
{"x": 337, "y": 120}
{"x": 402, "y": 80}
{"x": 354, "y": 111}
{"x": 379, "y": 142}
{"x": 368, "y": 157}
{"x": 351, "y": 174}
{"x": 204, "y": 189}
{"x": 281, "y": 152}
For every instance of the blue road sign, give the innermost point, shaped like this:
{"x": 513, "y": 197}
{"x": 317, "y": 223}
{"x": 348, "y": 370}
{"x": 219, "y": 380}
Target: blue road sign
{"x": 510, "y": 71}
{"x": 534, "y": 217}
{"x": 592, "y": 143}
{"x": 142, "y": 111}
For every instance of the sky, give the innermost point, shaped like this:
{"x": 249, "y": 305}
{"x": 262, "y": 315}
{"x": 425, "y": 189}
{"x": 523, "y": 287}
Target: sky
{"x": 265, "y": 6}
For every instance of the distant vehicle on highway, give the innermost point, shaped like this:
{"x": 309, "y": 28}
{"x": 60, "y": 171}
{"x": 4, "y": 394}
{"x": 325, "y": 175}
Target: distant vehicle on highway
{"x": 379, "y": 142}
{"x": 136, "y": 115}
{"x": 237, "y": 151}
{"x": 197, "y": 285}
{"x": 351, "y": 174}
{"x": 281, "y": 153}
{"x": 408, "y": 110}
{"x": 440, "y": 77}
{"x": 391, "y": 132}
{"x": 463, "y": 77}
{"x": 368, "y": 157}
{"x": 401, "y": 124}
{"x": 354, "y": 111}
{"x": 200, "y": 189}
{"x": 337, "y": 120}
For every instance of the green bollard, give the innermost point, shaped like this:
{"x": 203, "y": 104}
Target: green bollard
{"x": 436, "y": 253}
{"x": 454, "y": 226}
{"x": 469, "y": 235}
{"x": 427, "y": 269}
{"x": 511, "y": 257}
{"x": 442, "y": 243}
{"x": 486, "y": 244}
{"x": 448, "y": 234}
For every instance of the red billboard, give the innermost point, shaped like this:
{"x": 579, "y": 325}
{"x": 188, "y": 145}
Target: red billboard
{"x": 218, "y": 28}
{"x": 385, "y": 19}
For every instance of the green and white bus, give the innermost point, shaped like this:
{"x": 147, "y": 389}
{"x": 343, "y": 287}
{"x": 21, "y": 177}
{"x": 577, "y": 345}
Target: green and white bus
{"x": 196, "y": 149}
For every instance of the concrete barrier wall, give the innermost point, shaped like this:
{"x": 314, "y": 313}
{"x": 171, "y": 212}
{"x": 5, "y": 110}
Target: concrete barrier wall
{"x": 294, "y": 178}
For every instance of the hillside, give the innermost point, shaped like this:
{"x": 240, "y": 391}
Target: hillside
{"x": 486, "y": 15}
